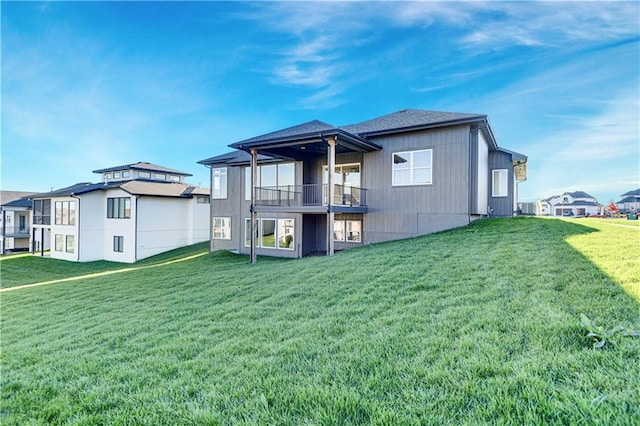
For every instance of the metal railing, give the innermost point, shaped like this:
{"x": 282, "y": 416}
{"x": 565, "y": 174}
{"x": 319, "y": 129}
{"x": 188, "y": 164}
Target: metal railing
{"x": 15, "y": 230}
{"x": 310, "y": 195}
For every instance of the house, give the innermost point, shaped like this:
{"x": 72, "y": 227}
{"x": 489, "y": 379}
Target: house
{"x": 15, "y": 221}
{"x": 577, "y": 203}
{"x": 630, "y": 202}
{"x": 404, "y": 174}
{"x": 136, "y": 211}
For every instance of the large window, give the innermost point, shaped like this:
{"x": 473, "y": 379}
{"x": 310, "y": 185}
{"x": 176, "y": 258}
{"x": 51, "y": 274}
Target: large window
{"x": 119, "y": 208}
{"x": 42, "y": 212}
{"x": 270, "y": 176}
{"x": 499, "y": 183}
{"x": 346, "y": 177}
{"x": 118, "y": 243}
{"x": 412, "y": 167}
{"x": 222, "y": 228}
{"x": 347, "y": 230}
{"x": 65, "y": 212}
{"x": 219, "y": 183}
{"x": 273, "y": 233}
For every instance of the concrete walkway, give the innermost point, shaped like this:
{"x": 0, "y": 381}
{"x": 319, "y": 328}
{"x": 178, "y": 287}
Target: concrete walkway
{"x": 102, "y": 274}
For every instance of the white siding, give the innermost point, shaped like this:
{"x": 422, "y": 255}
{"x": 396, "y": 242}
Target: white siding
{"x": 92, "y": 213}
{"x": 125, "y": 228}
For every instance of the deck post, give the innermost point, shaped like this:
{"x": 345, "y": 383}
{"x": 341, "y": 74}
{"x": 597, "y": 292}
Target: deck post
{"x": 331, "y": 167}
{"x": 254, "y": 214}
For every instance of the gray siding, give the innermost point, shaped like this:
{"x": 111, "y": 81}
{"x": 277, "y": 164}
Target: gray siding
{"x": 502, "y": 206}
{"x": 408, "y": 211}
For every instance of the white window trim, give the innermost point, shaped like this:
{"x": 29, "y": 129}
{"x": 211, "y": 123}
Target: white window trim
{"x": 345, "y": 240}
{"x": 505, "y": 178}
{"x": 223, "y": 175}
{"x": 278, "y": 234}
{"x": 247, "y": 241}
{"x": 213, "y": 233}
{"x": 411, "y": 168}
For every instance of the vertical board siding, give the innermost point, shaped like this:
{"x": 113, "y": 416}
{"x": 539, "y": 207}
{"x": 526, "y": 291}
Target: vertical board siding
{"x": 400, "y": 212}
{"x": 502, "y": 206}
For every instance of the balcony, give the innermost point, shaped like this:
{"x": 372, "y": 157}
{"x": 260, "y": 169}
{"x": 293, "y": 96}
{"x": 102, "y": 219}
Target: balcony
{"x": 16, "y": 232}
{"x": 311, "y": 198}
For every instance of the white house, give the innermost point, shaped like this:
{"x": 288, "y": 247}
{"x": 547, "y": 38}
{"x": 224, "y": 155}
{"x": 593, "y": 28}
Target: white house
{"x": 137, "y": 211}
{"x": 577, "y": 203}
{"x": 15, "y": 221}
{"x": 630, "y": 202}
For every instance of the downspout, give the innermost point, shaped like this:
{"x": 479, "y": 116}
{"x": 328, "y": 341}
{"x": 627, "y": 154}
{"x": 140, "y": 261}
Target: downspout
{"x": 4, "y": 231}
{"x": 469, "y": 177}
{"x": 135, "y": 234}
{"x": 78, "y": 228}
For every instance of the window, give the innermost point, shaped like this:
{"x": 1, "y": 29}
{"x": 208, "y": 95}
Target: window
{"x": 219, "y": 183}
{"x": 280, "y": 175}
{"x": 160, "y": 176}
{"x": 119, "y": 208}
{"x": 42, "y": 212}
{"x": 268, "y": 233}
{"x": 144, "y": 175}
{"x": 125, "y": 174}
{"x": 69, "y": 243}
{"x": 222, "y": 228}
{"x": 347, "y": 230}
{"x": 270, "y": 236}
{"x": 58, "y": 244}
{"x": 203, "y": 199}
{"x": 285, "y": 234}
{"x": 65, "y": 212}
{"x": 107, "y": 176}
{"x": 118, "y": 243}
{"x": 116, "y": 175}
{"x": 499, "y": 184}
{"x": 412, "y": 167}
{"x": 174, "y": 178}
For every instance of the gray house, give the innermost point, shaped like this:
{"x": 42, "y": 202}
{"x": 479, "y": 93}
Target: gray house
{"x": 404, "y": 174}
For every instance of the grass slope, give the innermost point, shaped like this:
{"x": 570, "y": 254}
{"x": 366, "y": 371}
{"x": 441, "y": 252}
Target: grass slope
{"x": 473, "y": 326}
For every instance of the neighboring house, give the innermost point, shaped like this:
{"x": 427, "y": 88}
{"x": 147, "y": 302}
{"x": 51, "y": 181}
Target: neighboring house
{"x": 630, "y": 202}
{"x": 15, "y": 221}
{"x": 137, "y": 211}
{"x": 577, "y": 203}
{"x": 401, "y": 175}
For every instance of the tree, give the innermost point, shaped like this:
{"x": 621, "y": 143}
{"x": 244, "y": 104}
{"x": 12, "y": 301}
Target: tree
{"x": 612, "y": 209}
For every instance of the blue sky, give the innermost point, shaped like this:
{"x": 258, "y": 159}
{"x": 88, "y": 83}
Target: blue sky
{"x": 92, "y": 85}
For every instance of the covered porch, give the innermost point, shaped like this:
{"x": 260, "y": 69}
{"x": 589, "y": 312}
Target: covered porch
{"x": 306, "y": 143}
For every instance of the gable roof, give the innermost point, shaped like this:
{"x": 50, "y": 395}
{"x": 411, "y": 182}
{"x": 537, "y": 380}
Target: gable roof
{"x": 143, "y": 166}
{"x": 579, "y": 194}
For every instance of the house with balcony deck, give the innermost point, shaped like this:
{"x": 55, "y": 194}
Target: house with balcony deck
{"x": 318, "y": 188}
{"x": 15, "y": 221}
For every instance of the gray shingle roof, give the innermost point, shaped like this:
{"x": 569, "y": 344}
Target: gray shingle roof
{"x": 634, "y": 192}
{"x": 579, "y": 194}
{"x": 235, "y": 157}
{"x": 142, "y": 166}
{"x": 311, "y": 127}
{"x": 408, "y": 118}
{"x": 630, "y": 199}
{"x": 135, "y": 187}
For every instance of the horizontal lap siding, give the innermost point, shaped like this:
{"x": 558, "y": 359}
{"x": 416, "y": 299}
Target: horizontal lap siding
{"x": 402, "y": 212}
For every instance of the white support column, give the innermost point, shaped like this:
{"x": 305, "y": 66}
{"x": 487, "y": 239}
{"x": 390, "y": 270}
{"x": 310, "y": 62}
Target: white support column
{"x": 331, "y": 167}
{"x": 254, "y": 215}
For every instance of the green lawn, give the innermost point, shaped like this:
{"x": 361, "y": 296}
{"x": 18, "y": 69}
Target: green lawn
{"x": 478, "y": 325}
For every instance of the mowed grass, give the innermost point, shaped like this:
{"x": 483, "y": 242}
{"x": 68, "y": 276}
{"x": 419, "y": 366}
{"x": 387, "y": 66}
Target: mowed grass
{"x": 478, "y": 325}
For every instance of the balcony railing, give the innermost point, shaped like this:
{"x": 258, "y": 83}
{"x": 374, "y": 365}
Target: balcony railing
{"x": 12, "y": 231}
{"x": 310, "y": 195}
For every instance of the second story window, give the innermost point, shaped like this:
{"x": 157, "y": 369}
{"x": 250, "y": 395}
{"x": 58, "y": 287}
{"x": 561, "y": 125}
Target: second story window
{"x": 119, "y": 208}
{"x": 65, "y": 212}
{"x": 219, "y": 183}
{"x": 42, "y": 212}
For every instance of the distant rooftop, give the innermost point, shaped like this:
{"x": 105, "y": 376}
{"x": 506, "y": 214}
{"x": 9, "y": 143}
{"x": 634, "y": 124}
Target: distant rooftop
{"x": 143, "y": 166}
